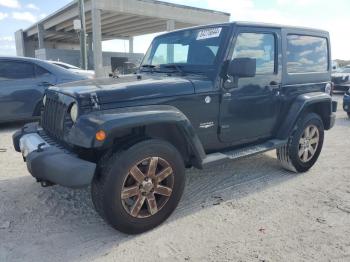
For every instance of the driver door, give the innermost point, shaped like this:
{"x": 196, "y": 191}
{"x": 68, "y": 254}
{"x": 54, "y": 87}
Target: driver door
{"x": 249, "y": 110}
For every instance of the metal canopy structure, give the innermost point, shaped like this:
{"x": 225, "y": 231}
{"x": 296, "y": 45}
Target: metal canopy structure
{"x": 115, "y": 19}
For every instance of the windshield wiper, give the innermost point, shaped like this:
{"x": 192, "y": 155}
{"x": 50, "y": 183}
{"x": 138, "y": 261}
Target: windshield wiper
{"x": 148, "y": 66}
{"x": 177, "y": 67}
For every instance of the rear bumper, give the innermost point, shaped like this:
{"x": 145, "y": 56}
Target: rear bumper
{"x": 332, "y": 121}
{"x": 48, "y": 163}
{"x": 332, "y": 117}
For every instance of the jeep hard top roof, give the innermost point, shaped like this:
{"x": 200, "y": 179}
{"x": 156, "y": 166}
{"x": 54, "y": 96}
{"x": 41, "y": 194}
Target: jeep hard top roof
{"x": 258, "y": 24}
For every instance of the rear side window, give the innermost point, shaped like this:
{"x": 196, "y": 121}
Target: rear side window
{"x": 306, "y": 54}
{"x": 41, "y": 71}
{"x": 10, "y": 70}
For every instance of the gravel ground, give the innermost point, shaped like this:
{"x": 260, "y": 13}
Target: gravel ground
{"x": 244, "y": 210}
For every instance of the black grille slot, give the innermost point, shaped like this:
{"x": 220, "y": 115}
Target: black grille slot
{"x": 48, "y": 139}
{"x": 53, "y": 116}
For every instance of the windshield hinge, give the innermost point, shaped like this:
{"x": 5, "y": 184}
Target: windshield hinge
{"x": 94, "y": 100}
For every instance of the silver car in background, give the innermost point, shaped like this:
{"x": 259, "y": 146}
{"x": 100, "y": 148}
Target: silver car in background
{"x": 23, "y": 82}
{"x": 74, "y": 69}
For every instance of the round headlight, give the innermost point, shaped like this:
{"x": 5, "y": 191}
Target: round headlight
{"x": 44, "y": 100}
{"x": 74, "y": 112}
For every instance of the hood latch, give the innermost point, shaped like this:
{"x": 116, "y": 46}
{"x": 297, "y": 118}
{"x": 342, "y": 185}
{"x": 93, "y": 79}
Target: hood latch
{"x": 94, "y": 100}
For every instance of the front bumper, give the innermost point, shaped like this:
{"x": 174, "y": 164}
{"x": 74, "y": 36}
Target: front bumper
{"x": 49, "y": 163}
{"x": 346, "y": 103}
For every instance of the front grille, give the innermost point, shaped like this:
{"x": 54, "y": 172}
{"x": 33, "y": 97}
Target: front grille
{"x": 53, "y": 116}
{"x": 48, "y": 139}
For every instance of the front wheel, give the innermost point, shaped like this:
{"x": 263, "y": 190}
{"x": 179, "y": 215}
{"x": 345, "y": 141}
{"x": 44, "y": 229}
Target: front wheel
{"x": 304, "y": 146}
{"x": 139, "y": 188}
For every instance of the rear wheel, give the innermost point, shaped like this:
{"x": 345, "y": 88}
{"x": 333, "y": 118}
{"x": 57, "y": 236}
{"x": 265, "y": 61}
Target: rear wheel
{"x": 139, "y": 188}
{"x": 304, "y": 146}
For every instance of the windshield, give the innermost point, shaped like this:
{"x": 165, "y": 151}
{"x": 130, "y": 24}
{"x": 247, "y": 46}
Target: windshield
{"x": 193, "y": 48}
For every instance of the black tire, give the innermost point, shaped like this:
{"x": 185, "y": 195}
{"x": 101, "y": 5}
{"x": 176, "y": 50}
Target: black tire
{"x": 116, "y": 169}
{"x": 348, "y": 114}
{"x": 289, "y": 154}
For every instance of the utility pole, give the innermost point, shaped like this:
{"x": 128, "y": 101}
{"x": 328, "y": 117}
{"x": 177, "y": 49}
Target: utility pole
{"x": 83, "y": 51}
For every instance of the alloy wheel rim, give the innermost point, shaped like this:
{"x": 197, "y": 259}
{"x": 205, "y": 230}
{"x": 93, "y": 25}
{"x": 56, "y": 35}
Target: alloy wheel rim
{"x": 147, "y": 187}
{"x": 308, "y": 143}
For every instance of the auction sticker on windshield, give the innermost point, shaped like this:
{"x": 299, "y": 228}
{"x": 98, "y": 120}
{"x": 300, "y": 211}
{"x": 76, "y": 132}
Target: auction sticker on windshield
{"x": 209, "y": 33}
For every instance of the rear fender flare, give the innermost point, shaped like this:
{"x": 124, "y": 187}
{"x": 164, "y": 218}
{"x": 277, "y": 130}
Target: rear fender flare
{"x": 302, "y": 104}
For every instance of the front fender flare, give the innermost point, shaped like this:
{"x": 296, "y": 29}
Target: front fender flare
{"x": 113, "y": 121}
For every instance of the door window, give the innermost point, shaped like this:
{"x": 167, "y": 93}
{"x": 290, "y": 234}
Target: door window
{"x": 259, "y": 46}
{"x": 10, "y": 70}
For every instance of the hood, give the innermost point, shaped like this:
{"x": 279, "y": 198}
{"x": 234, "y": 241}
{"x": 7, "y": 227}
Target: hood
{"x": 128, "y": 88}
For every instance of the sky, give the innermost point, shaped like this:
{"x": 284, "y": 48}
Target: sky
{"x": 330, "y": 15}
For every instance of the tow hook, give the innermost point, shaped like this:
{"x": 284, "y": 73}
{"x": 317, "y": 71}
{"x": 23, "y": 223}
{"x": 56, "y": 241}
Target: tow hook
{"x": 40, "y": 147}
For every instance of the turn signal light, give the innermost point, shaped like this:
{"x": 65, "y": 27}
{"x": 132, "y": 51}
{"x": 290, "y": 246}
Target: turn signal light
{"x": 101, "y": 135}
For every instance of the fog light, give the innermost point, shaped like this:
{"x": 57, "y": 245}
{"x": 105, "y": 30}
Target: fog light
{"x": 101, "y": 135}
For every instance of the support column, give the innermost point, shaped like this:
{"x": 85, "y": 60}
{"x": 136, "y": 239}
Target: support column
{"x": 90, "y": 52}
{"x": 131, "y": 45}
{"x": 83, "y": 53}
{"x": 41, "y": 36}
{"x": 97, "y": 40}
{"x": 170, "y": 26}
{"x": 89, "y": 42}
{"x": 20, "y": 46}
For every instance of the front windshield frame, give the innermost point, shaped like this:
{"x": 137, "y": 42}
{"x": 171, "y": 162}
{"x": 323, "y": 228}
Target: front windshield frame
{"x": 147, "y": 63}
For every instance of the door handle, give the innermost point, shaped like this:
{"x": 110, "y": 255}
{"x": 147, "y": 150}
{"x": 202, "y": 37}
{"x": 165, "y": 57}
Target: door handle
{"x": 274, "y": 87}
{"x": 274, "y": 84}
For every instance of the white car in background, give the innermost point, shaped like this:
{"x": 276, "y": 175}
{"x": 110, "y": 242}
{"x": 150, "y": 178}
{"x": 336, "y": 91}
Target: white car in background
{"x": 74, "y": 69}
{"x": 341, "y": 79}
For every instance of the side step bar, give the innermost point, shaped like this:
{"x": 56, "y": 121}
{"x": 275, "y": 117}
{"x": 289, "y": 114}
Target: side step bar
{"x": 244, "y": 152}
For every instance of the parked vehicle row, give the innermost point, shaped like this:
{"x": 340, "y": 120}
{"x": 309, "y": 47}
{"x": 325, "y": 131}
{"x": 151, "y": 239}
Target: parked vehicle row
{"x": 23, "y": 82}
{"x": 341, "y": 79}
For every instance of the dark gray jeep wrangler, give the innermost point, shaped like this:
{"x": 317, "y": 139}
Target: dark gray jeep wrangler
{"x": 201, "y": 95}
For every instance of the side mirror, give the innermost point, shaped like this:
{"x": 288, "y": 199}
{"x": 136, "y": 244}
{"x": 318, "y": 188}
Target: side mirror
{"x": 242, "y": 67}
